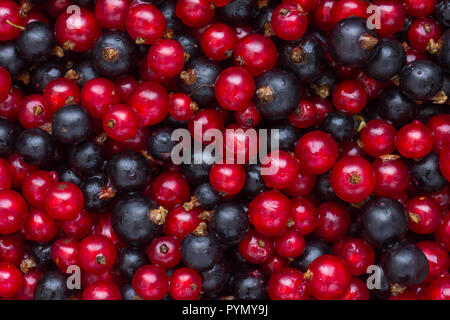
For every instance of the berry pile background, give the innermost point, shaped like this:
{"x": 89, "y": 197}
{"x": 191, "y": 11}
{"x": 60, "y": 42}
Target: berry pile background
{"x": 93, "y": 207}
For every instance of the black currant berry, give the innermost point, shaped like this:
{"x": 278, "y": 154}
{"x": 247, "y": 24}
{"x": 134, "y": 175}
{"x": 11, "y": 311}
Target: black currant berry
{"x": 229, "y": 224}
{"x": 35, "y": 146}
{"x": 71, "y": 124}
{"x": 389, "y": 60}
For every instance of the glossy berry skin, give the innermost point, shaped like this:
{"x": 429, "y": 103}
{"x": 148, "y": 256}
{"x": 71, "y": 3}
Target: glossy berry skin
{"x": 349, "y": 96}
{"x": 347, "y": 8}
{"x": 6, "y": 175}
{"x": 170, "y": 189}
{"x": 351, "y": 43}
{"x": 420, "y": 8}
{"x": 290, "y": 245}
{"x": 40, "y": 226}
{"x": 120, "y": 122}
{"x": 64, "y": 201}
{"x": 391, "y": 176}
{"x": 9, "y": 107}
{"x": 71, "y": 124}
{"x": 101, "y": 290}
{"x": 9, "y": 11}
{"x": 227, "y": 178}
{"x": 77, "y": 33}
{"x": 288, "y": 21}
{"x": 97, "y": 95}
{"x": 269, "y": 213}
{"x": 438, "y": 289}
{"x": 165, "y": 252}
{"x": 444, "y": 159}
{"x": 33, "y": 111}
{"x": 255, "y": 248}
{"x": 150, "y": 101}
{"x": 317, "y": 152}
{"x": 328, "y": 278}
{"x": 383, "y": 222}
{"x": 437, "y": 256}
{"x": 352, "y": 179}
{"x": 321, "y": 15}
{"x": 65, "y": 253}
{"x": 414, "y": 140}
{"x": 356, "y": 291}
{"x": 256, "y": 53}
{"x": 301, "y": 186}
{"x": 281, "y": 169}
{"x": 421, "y": 79}
{"x": 195, "y": 13}
{"x": 333, "y": 221}
{"x": 151, "y": 282}
{"x": 60, "y": 92}
{"x": 424, "y": 215}
{"x": 166, "y": 57}
{"x": 181, "y": 107}
{"x": 145, "y": 23}
{"x": 392, "y": 16}
{"x": 356, "y": 253}
{"x": 287, "y": 284}
{"x": 112, "y": 14}
{"x": 405, "y": 264}
{"x": 36, "y": 185}
{"x": 185, "y": 284}
{"x": 217, "y": 42}
{"x": 12, "y": 250}
{"x": 305, "y": 115}
{"x": 5, "y": 81}
{"x": 11, "y": 280}
{"x": 440, "y": 128}
{"x": 30, "y": 279}
{"x": 304, "y": 215}
{"x": 13, "y": 211}
{"x": 96, "y": 254}
{"x": 180, "y": 222}
{"x": 234, "y": 88}
{"x": 378, "y": 137}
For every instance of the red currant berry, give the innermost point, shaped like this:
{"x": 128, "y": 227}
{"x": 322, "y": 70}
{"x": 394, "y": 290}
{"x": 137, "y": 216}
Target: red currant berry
{"x": 195, "y": 13}
{"x": 440, "y": 128}
{"x": 356, "y": 253}
{"x": 96, "y": 254}
{"x": 78, "y": 228}
{"x": 301, "y": 186}
{"x": 180, "y": 222}
{"x": 333, "y": 221}
{"x": 234, "y": 88}
{"x": 329, "y": 278}
{"x": 170, "y": 189}
{"x": 421, "y": 32}
{"x": 305, "y": 115}
{"x": 77, "y": 32}
{"x": 269, "y": 213}
{"x": 125, "y": 87}
{"x": 414, "y": 140}
{"x": 349, "y": 97}
{"x": 150, "y": 101}
{"x": 185, "y": 284}
{"x": 65, "y": 253}
{"x": 145, "y": 23}
{"x": 151, "y": 282}
{"x": 317, "y": 152}
{"x": 437, "y": 256}
{"x": 13, "y": 211}
{"x": 288, "y": 21}
{"x": 420, "y": 8}
{"x": 391, "y": 176}
{"x": 256, "y": 53}
{"x": 60, "y": 92}
{"x": 102, "y": 290}
{"x": 347, "y": 8}
{"x": 424, "y": 215}
{"x": 282, "y": 169}
{"x": 64, "y": 201}
{"x": 304, "y": 215}
{"x": 10, "y": 280}
{"x": 97, "y": 95}
{"x": 352, "y": 179}
{"x": 165, "y": 252}
{"x": 439, "y": 289}
{"x": 181, "y": 107}
{"x": 10, "y": 107}
{"x": 378, "y": 137}
{"x": 321, "y": 15}
{"x": 9, "y": 16}
{"x": 166, "y": 58}
{"x": 34, "y": 111}
{"x": 112, "y": 14}
{"x": 288, "y": 284}
{"x": 36, "y": 185}
{"x": 227, "y": 178}
{"x": 39, "y": 226}
{"x": 356, "y": 291}
{"x": 120, "y": 122}
{"x": 255, "y": 248}
{"x": 217, "y": 42}
{"x": 12, "y": 250}
{"x": 290, "y": 245}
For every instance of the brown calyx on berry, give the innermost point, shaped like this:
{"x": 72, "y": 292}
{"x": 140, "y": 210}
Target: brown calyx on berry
{"x": 266, "y": 94}
{"x": 397, "y": 289}
{"x": 68, "y": 45}
{"x": 38, "y": 110}
{"x": 308, "y": 275}
{"x": 58, "y": 52}
{"x": 322, "y": 90}
{"x": 100, "y": 259}
{"x": 101, "y": 139}
{"x": 414, "y": 217}
{"x": 27, "y": 264}
{"x": 189, "y": 76}
{"x": 389, "y": 157}
{"x": 47, "y": 127}
{"x": 72, "y": 75}
{"x": 434, "y": 47}
{"x": 107, "y": 193}
{"x": 140, "y": 40}
{"x": 194, "y": 202}
{"x": 110, "y": 54}
{"x": 201, "y": 229}
{"x": 368, "y": 41}
{"x": 440, "y": 98}
{"x": 206, "y": 215}
{"x": 158, "y": 216}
